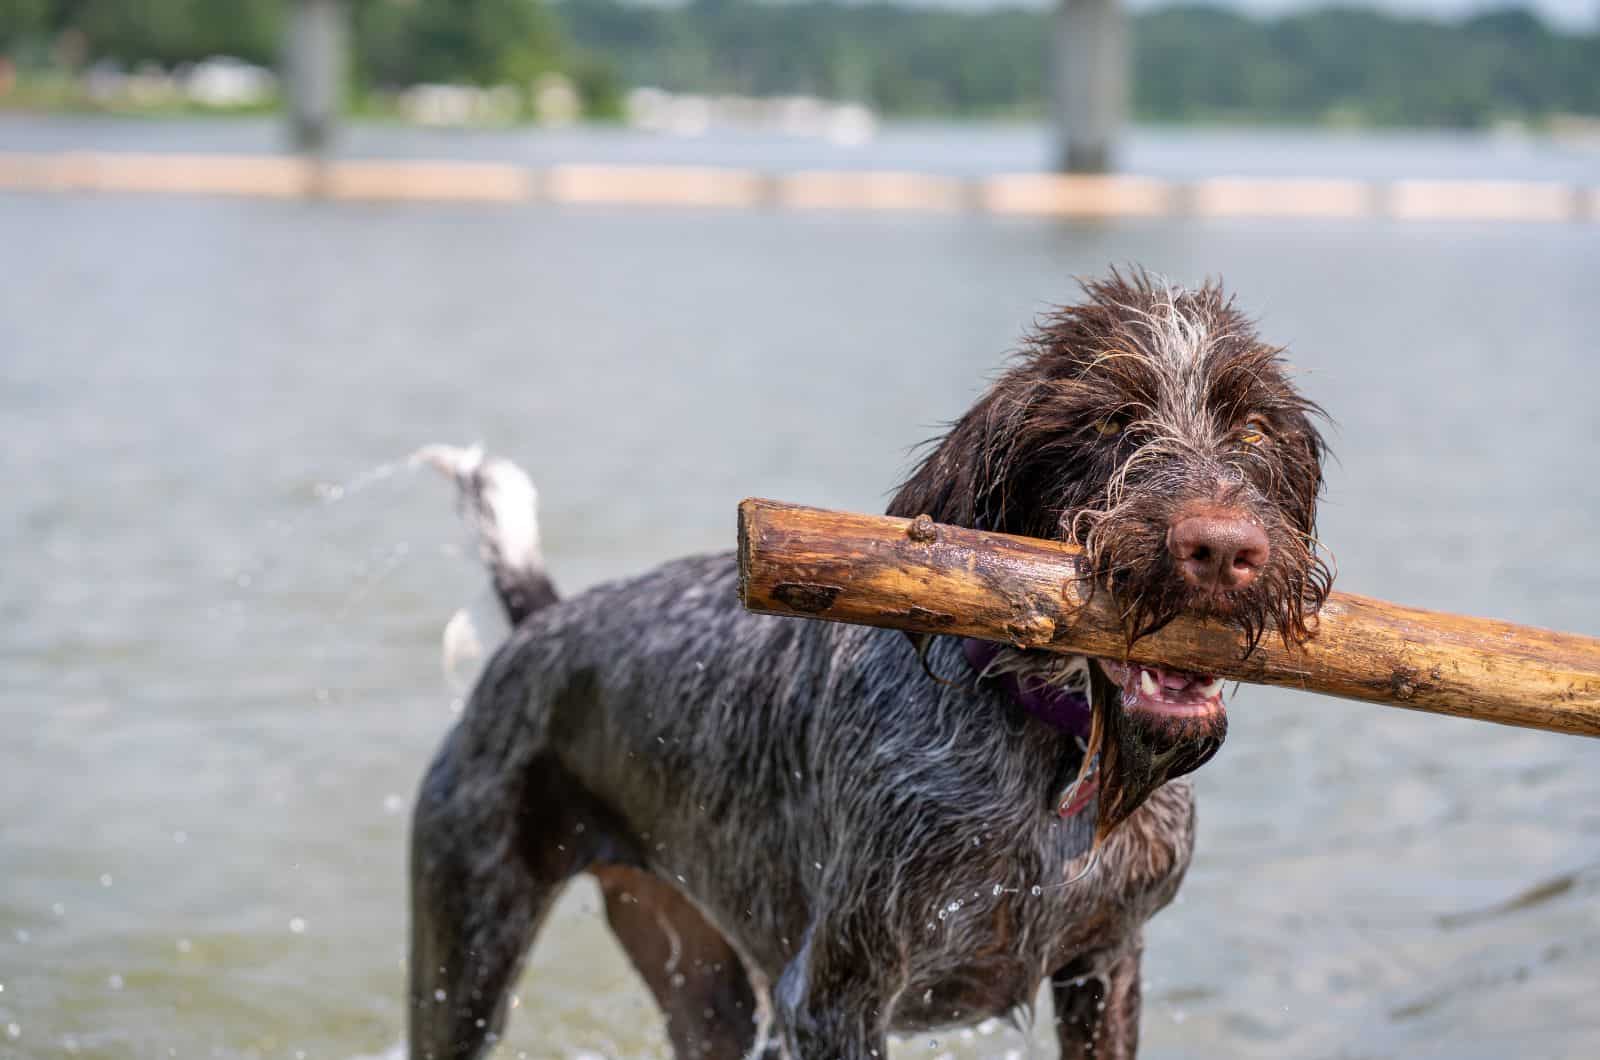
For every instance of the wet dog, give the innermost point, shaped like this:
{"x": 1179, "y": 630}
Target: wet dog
{"x": 810, "y": 835}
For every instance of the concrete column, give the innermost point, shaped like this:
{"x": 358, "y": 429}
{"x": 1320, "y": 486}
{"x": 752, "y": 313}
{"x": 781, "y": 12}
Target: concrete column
{"x": 313, "y": 72}
{"x": 1090, "y": 72}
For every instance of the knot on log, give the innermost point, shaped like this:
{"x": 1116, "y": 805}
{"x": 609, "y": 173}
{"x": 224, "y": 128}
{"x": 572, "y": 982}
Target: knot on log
{"x": 923, "y": 529}
{"x": 1030, "y": 629}
{"x": 808, "y": 598}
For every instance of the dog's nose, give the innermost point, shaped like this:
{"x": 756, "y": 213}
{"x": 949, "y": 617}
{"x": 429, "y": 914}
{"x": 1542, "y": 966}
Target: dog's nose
{"x": 1218, "y": 551}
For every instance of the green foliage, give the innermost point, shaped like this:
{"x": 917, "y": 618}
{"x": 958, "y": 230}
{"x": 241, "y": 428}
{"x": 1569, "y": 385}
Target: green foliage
{"x": 402, "y": 42}
{"x": 1360, "y": 65}
{"x": 599, "y": 87}
{"x": 163, "y": 31}
{"x": 21, "y": 21}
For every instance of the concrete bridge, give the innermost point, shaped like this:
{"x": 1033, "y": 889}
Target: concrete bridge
{"x": 1089, "y": 70}
{"x": 1089, "y": 65}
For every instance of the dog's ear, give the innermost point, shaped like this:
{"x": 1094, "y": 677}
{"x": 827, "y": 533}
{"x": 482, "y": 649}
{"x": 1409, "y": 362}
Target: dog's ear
{"x": 1306, "y": 451}
{"x": 953, "y": 482}
{"x": 997, "y": 468}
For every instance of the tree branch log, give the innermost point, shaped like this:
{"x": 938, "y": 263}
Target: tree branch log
{"x": 923, "y": 577}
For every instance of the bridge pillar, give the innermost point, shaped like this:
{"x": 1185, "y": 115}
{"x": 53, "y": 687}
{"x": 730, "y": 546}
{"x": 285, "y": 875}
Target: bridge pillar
{"x": 313, "y": 73}
{"x": 1090, "y": 69}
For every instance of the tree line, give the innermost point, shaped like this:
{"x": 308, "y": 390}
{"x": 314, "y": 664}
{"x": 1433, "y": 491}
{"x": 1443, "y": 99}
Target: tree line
{"x": 1191, "y": 62}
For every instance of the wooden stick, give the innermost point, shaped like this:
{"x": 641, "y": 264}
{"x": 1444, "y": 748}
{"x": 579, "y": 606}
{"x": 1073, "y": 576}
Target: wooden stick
{"x": 928, "y": 578}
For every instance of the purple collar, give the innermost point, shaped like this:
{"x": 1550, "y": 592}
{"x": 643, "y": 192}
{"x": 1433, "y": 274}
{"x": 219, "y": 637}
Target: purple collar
{"x": 1066, "y": 712}
{"x": 1057, "y": 707}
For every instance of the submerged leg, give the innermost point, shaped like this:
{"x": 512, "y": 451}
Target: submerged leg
{"x": 1097, "y": 1011}
{"x": 487, "y": 863}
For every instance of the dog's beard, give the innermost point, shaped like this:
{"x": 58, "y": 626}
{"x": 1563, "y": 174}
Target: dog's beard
{"x": 1143, "y": 741}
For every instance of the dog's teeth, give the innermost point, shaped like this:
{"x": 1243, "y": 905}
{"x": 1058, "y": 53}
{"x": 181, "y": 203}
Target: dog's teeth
{"x": 1211, "y": 688}
{"x": 1148, "y": 684}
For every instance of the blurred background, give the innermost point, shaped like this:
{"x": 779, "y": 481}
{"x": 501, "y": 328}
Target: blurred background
{"x": 667, "y": 256}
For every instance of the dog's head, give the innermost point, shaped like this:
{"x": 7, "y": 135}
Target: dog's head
{"x": 1152, "y": 426}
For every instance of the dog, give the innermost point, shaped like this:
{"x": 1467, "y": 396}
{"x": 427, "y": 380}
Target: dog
{"x": 808, "y": 835}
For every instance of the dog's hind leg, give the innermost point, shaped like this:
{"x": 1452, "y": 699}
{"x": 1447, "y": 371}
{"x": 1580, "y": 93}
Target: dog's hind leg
{"x": 490, "y": 852}
{"x": 697, "y": 977}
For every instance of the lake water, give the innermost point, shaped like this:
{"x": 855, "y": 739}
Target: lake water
{"x": 222, "y": 601}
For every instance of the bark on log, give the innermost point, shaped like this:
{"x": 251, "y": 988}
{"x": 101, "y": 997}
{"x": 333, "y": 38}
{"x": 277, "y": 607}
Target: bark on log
{"x": 925, "y": 577}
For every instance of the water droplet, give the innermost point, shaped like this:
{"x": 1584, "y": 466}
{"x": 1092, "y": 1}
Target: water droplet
{"x": 23, "y": 936}
{"x": 677, "y": 979}
{"x": 184, "y": 945}
{"x": 114, "y": 981}
{"x": 13, "y": 1031}
{"x": 818, "y": 864}
{"x": 393, "y": 803}
{"x": 439, "y": 995}
{"x": 105, "y": 879}
{"x": 297, "y": 925}
{"x": 58, "y": 909}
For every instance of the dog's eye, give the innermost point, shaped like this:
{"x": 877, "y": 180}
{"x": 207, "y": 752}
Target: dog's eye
{"x": 1255, "y": 431}
{"x": 1110, "y": 427}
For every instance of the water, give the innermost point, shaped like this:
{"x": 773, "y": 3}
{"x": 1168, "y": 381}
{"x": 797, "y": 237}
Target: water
{"x": 222, "y": 676}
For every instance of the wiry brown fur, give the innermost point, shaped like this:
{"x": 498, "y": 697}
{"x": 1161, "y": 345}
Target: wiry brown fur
{"x": 1029, "y": 458}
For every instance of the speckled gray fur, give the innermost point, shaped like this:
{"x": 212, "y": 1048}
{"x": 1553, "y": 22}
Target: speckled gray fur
{"x": 806, "y": 840}
{"x": 785, "y": 772}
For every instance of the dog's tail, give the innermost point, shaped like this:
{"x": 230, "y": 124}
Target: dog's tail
{"x": 498, "y": 501}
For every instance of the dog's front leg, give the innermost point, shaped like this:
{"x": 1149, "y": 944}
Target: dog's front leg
{"x": 1097, "y": 1007}
{"x": 830, "y": 1001}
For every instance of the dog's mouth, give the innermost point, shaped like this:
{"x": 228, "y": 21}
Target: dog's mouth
{"x": 1165, "y": 694}
{"x": 1152, "y": 724}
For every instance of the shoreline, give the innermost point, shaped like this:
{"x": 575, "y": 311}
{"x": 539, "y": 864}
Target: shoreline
{"x": 724, "y": 187}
